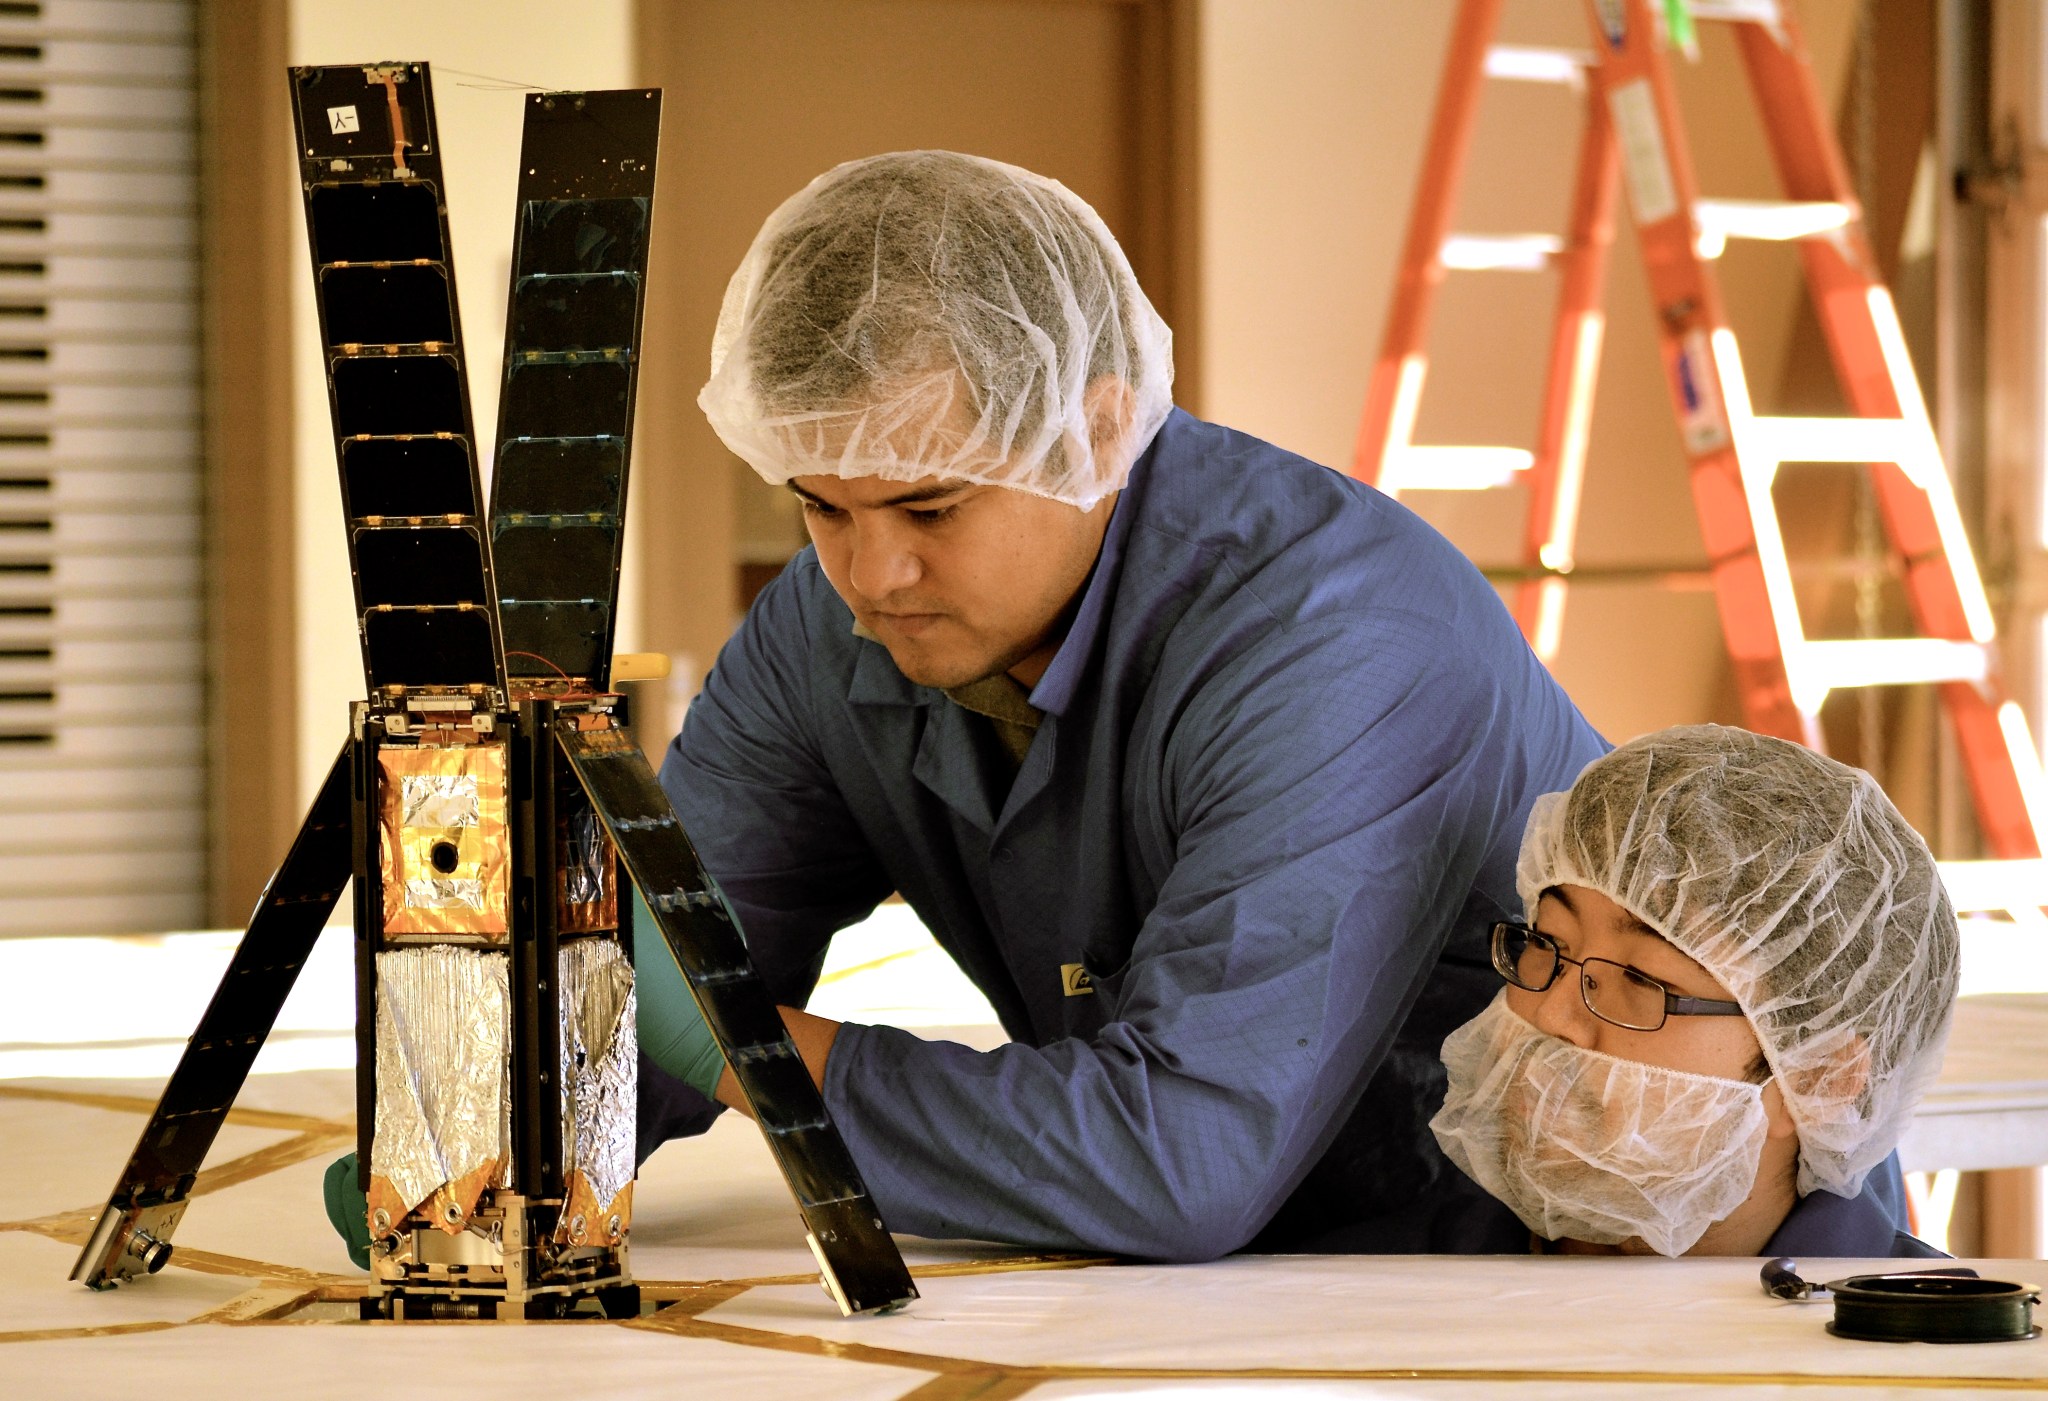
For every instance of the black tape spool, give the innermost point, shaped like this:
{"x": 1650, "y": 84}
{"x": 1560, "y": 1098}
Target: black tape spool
{"x": 1932, "y": 1308}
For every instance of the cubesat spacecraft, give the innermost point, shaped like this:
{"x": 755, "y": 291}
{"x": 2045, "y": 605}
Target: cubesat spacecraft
{"x": 489, "y": 793}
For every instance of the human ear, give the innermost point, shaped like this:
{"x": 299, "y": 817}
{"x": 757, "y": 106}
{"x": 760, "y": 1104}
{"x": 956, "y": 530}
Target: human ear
{"x": 1776, "y": 1115}
{"x": 1109, "y": 404}
{"x": 1841, "y": 1076}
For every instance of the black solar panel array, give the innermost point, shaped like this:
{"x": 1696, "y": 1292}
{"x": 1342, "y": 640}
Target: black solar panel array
{"x": 861, "y": 1263}
{"x": 565, "y": 416}
{"x": 289, "y": 917}
{"x": 376, "y": 211}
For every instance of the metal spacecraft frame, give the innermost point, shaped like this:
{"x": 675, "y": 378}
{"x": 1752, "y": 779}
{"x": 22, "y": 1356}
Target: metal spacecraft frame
{"x": 487, "y": 635}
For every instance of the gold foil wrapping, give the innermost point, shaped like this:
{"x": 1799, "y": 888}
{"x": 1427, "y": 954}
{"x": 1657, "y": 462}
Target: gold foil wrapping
{"x": 599, "y": 1078}
{"x": 444, "y": 1084}
{"x": 445, "y": 848}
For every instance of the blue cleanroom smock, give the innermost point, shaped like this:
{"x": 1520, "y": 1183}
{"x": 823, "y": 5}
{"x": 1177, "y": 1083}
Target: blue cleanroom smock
{"x": 1846, "y": 1228}
{"x": 1289, "y": 744}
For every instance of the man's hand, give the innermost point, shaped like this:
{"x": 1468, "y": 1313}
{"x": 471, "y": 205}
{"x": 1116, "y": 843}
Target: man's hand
{"x": 673, "y": 1033}
{"x": 813, "y": 1036}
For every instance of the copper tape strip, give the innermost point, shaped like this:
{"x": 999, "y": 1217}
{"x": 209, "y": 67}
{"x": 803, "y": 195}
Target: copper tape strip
{"x": 992, "y": 1385}
{"x": 135, "y": 1104}
{"x": 250, "y": 1166}
{"x": 260, "y": 1305}
{"x": 110, "y": 1330}
{"x": 690, "y": 1300}
{"x": 669, "y": 1320}
{"x": 398, "y": 139}
{"x": 959, "y": 1378}
{"x": 207, "y": 1262}
{"x": 840, "y": 975}
{"x": 721, "y": 1290}
{"x": 968, "y": 1370}
{"x": 286, "y": 1289}
{"x": 1021, "y": 1262}
{"x": 76, "y": 1224}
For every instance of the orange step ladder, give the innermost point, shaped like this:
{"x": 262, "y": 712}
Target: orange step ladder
{"x": 1634, "y": 139}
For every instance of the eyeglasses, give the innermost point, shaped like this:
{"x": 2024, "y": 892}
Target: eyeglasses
{"x": 1613, "y": 992}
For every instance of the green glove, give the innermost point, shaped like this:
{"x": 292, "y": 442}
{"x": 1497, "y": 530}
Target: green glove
{"x": 672, "y": 1030}
{"x": 348, "y": 1208}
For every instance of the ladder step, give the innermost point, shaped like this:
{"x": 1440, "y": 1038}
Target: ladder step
{"x": 1736, "y": 11}
{"x": 1524, "y": 64}
{"x": 1442, "y": 468}
{"x": 1975, "y": 886}
{"x": 1836, "y": 439}
{"x": 1506, "y": 252}
{"x": 1889, "y": 661}
{"x": 1773, "y": 220}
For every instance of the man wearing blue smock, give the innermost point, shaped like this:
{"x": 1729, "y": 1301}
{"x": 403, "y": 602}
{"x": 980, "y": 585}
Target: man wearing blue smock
{"x": 1208, "y": 765}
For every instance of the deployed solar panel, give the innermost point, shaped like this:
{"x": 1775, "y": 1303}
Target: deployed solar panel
{"x": 133, "y": 1233}
{"x": 376, "y": 214}
{"x": 862, "y": 1267}
{"x": 565, "y": 416}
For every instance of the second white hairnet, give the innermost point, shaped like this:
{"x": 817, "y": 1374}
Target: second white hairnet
{"x": 1794, "y": 881}
{"x": 930, "y": 314}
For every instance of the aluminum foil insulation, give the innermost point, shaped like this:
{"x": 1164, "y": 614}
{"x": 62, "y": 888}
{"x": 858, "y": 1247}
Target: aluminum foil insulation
{"x": 444, "y": 1069}
{"x": 589, "y": 876}
{"x": 599, "y": 1065}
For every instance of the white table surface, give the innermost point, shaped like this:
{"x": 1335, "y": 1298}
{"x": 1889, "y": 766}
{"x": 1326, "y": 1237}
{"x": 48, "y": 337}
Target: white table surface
{"x": 239, "y": 1313}
{"x": 716, "y": 1241}
{"x": 1989, "y": 1109}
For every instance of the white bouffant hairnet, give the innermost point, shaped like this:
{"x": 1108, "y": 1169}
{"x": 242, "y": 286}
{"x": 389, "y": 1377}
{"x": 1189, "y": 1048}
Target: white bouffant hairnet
{"x": 1795, "y": 882}
{"x": 932, "y": 314}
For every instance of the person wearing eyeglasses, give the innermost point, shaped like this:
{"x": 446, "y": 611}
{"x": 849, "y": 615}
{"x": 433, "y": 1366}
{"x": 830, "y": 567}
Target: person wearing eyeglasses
{"x": 1734, "y": 985}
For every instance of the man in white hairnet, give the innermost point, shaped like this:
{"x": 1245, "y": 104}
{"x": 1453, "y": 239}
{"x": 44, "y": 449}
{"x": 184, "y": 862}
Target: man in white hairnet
{"x": 1734, "y": 985}
{"x": 1207, "y": 764}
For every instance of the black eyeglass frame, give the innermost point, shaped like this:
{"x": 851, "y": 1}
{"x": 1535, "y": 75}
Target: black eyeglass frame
{"x": 1675, "y": 1005}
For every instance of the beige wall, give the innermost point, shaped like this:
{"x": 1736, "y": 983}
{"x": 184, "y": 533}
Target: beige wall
{"x": 764, "y": 95}
{"x": 1313, "y": 118}
{"x": 1309, "y": 127}
{"x": 528, "y": 42}
{"x": 761, "y": 95}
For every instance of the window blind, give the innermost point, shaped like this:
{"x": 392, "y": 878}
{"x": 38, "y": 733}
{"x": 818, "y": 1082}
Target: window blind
{"x": 102, "y": 817}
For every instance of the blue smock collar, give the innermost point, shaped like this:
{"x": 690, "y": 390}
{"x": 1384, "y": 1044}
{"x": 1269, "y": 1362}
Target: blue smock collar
{"x": 1055, "y": 690}
{"x": 1823, "y": 1224}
